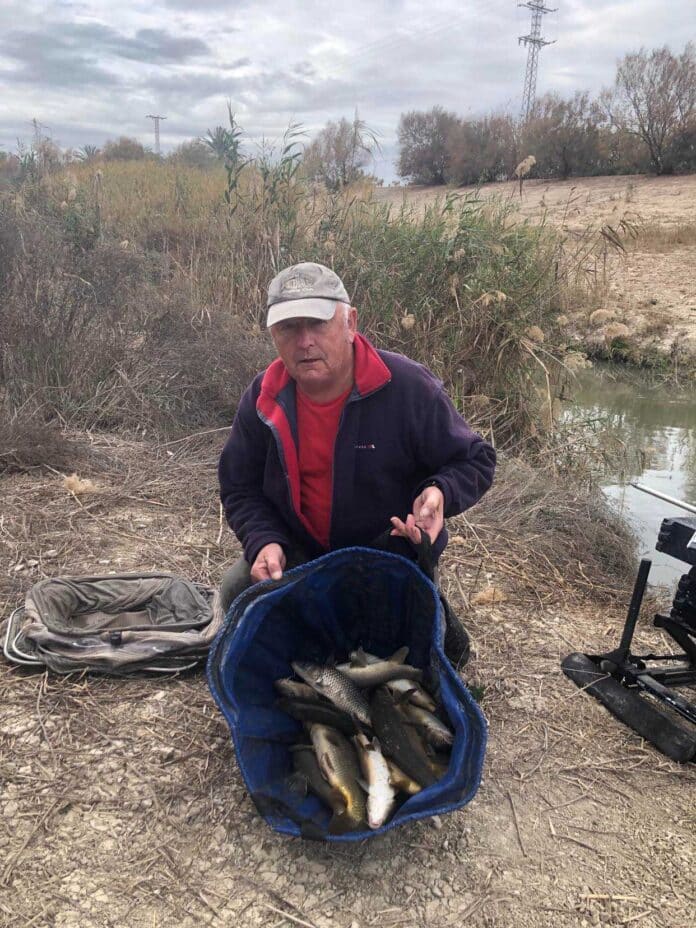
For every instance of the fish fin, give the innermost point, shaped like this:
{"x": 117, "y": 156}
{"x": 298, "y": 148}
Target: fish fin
{"x": 398, "y": 657}
{"x": 341, "y": 822}
{"x": 359, "y": 658}
{"x": 339, "y": 799}
{"x": 401, "y": 698}
{"x": 325, "y": 764}
{"x": 376, "y": 746}
{"x": 363, "y": 785}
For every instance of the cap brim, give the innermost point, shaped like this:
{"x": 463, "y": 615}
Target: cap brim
{"x": 298, "y": 309}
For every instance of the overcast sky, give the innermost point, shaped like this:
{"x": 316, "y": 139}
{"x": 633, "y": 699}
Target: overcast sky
{"x": 90, "y": 70}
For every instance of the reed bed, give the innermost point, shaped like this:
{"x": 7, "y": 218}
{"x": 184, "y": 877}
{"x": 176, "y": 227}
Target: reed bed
{"x": 134, "y": 293}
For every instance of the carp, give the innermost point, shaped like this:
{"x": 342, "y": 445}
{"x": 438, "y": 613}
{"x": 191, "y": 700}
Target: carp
{"x": 331, "y": 683}
{"x": 339, "y": 766}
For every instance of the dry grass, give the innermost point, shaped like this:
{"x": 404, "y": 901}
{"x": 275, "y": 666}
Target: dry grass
{"x": 122, "y": 803}
{"x": 134, "y": 291}
{"x": 658, "y": 237}
{"x": 28, "y": 444}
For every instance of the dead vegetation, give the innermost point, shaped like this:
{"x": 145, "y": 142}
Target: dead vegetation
{"x": 122, "y": 803}
{"x": 656, "y": 237}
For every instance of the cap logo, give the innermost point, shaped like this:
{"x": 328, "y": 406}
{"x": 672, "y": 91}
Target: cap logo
{"x": 298, "y": 283}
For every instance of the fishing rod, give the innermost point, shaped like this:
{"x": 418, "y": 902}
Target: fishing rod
{"x": 668, "y": 499}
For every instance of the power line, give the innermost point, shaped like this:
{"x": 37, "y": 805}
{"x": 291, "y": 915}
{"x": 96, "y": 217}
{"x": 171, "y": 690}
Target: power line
{"x": 534, "y": 42}
{"x": 157, "y": 140}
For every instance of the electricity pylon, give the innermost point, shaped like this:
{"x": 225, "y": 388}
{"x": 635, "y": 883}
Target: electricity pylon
{"x": 534, "y": 42}
{"x": 157, "y": 122}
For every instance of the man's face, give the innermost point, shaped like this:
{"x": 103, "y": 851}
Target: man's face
{"x": 317, "y": 354}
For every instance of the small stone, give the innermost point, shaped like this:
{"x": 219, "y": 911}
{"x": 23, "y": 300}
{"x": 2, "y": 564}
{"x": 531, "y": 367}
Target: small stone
{"x": 437, "y": 891}
{"x": 436, "y": 822}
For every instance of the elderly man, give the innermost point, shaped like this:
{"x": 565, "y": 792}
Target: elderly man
{"x": 336, "y": 441}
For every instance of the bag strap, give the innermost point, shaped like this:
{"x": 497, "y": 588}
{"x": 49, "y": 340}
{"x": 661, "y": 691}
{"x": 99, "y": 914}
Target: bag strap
{"x": 424, "y": 550}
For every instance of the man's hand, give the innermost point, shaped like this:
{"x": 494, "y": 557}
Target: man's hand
{"x": 428, "y": 514}
{"x": 269, "y": 563}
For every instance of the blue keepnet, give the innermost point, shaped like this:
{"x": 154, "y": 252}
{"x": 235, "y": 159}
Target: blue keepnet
{"x": 354, "y": 597}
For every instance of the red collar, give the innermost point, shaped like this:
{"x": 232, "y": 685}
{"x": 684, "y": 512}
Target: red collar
{"x": 370, "y": 371}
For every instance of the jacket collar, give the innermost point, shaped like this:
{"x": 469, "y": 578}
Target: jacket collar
{"x": 370, "y": 372}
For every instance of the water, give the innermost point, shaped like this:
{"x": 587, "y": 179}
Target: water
{"x": 655, "y": 426}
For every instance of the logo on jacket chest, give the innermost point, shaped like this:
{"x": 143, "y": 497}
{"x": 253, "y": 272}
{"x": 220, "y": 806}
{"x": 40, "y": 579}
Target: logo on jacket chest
{"x": 365, "y": 446}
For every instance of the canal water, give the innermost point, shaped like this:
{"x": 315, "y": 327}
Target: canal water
{"x": 651, "y": 431}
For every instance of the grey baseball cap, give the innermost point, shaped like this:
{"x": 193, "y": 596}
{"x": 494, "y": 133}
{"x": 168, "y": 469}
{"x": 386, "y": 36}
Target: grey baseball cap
{"x": 307, "y": 289}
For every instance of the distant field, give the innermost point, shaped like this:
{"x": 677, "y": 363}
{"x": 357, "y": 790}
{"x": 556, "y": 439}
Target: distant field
{"x": 583, "y": 200}
{"x": 655, "y": 282}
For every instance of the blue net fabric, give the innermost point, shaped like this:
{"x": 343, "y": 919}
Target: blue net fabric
{"x": 355, "y": 597}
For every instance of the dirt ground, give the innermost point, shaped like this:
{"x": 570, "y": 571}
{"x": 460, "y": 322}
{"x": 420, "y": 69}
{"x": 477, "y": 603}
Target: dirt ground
{"x": 122, "y": 804}
{"x": 652, "y": 288}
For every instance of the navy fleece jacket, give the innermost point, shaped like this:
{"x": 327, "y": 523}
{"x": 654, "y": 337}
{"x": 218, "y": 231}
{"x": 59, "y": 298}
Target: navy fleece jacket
{"x": 398, "y": 433}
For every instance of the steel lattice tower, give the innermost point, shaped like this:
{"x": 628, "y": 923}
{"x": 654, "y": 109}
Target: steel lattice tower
{"x": 157, "y": 122}
{"x": 534, "y": 42}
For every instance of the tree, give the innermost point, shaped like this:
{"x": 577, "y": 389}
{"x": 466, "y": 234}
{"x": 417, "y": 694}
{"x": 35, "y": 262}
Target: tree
{"x": 125, "y": 149}
{"x": 423, "y": 145}
{"x": 88, "y": 153}
{"x": 682, "y": 149}
{"x": 563, "y": 135}
{"x": 225, "y": 144}
{"x": 481, "y": 150}
{"x": 340, "y": 153}
{"x": 194, "y": 153}
{"x": 654, "y": 98}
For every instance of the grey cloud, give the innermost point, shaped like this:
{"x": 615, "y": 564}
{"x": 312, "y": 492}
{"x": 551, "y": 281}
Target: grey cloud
{"x": 66, "y": 54}
{"x": 157, "y": 46}
{"x": 45, "y": 61}
{"x": 195, "y": 86}
{"x": 304, "y": 69}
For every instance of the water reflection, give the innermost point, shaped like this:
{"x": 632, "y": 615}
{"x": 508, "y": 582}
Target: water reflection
{"x": 655, "y": 428}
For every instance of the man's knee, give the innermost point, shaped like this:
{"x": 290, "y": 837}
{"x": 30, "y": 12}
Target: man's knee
{"x": 234, "y": 581}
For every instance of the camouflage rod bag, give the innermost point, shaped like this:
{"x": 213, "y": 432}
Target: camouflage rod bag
{"x": 350, "y": 598}
{"x": 114, "y": 625}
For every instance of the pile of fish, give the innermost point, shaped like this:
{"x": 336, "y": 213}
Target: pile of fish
{"x": 373, "y": 736}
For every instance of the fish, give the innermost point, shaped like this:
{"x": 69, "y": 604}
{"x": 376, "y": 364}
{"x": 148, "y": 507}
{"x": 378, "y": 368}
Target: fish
{"x": 339, "y": 765}
{"x": 374, "y": 673}
{"x": 296, "y": 690}
{"x": 324, "y": 713}
{"x": 399, "y": 685}
{"x": 380, "y": 792}
{"x": 360, "y": 657}
{"x": 434, "y": 731}
{"x": 408, "y": 689}
{"x": 399, "y": 738}
{"x": 329, "y": 682}
{"x": 401, "y": 781}
{"x": 305, "y": 764}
